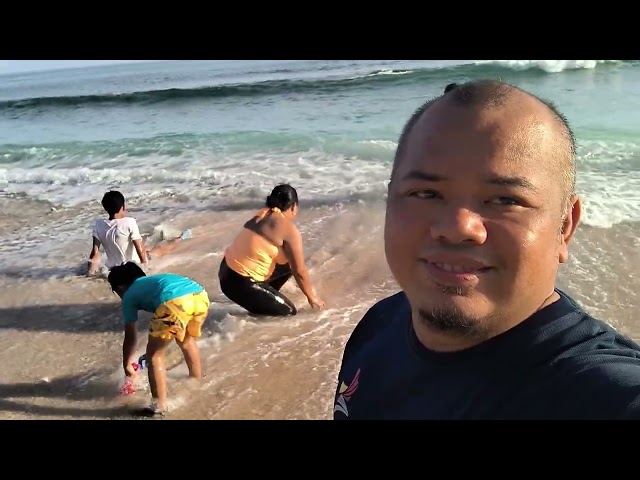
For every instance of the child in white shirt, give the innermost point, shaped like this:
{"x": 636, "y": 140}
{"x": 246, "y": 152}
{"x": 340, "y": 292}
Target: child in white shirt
{"x": 119, "y": 236}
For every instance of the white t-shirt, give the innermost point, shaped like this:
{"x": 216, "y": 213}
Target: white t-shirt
{"x": 116, "y": 237}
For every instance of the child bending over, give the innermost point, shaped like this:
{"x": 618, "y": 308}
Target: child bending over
{"x": 179, "y": 306}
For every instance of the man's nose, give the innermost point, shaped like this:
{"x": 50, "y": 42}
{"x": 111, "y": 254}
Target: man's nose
{"x": 459, "y": 225}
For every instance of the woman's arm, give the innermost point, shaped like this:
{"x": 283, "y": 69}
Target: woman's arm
{"x": 292, "y": 246}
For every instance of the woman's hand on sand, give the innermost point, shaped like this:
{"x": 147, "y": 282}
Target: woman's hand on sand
{"x": 316, "y": 303}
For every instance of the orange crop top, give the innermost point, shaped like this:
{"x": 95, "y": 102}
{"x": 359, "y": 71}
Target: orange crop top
{"x": 252, "y": 255}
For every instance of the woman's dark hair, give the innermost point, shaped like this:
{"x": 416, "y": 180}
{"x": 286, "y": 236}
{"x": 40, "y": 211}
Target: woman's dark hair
{"x": 125, "y": 275}
{"x": 283, "y": 197}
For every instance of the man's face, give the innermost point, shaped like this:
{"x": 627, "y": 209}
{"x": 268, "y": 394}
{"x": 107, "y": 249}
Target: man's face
{"x": 474, "y": 215}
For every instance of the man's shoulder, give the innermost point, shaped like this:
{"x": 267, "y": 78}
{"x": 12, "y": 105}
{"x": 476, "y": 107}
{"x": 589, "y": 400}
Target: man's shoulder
{"x": 584, "y": 339}
{"x": 385, "y": 310}
{"x": 583, "y": 334}
{"x": 377, "y": 318}
{"x": 600, "y": 372}
{"x": 602, "y": 348}
{"x": 600, "y": 386}
{"x": 600, "y": 339}
{"x": 396, "y": 298}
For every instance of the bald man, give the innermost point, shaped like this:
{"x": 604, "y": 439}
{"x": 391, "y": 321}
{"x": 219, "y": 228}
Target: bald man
{"x": 480, "y": 214}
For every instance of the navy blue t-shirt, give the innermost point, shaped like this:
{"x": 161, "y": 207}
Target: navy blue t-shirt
{"x": 559, "y": 364}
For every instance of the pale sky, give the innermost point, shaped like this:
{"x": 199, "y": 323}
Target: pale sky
{"x": 15, "y": 66}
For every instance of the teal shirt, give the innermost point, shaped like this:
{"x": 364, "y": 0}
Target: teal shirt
{"x": 148, "y": 293}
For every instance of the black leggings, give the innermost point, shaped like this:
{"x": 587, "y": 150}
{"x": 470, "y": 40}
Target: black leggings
{"x": 259, "y": 298}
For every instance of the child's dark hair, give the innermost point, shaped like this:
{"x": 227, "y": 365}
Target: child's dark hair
{"x": 283, "y": 196}
{"x": 112, "y": 202}
{"x": 125, "y": 275}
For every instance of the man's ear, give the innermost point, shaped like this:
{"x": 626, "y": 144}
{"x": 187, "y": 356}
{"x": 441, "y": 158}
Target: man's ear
{"x": 569, "y": 225}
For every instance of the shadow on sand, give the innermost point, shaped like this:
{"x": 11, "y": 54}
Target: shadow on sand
{"x": 70, "y": 388}
{"x": 72, "y": 318}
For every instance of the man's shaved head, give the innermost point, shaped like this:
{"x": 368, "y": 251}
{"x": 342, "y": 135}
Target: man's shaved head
{"x": 490, "y": 94}
{"x": 480, "y": 211}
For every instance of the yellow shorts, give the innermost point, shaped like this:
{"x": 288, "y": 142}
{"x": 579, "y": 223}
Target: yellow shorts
{"x": 173, "y": 319}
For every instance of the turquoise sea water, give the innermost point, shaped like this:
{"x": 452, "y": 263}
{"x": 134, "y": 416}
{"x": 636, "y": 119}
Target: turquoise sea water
{"x": 212, "y": 128}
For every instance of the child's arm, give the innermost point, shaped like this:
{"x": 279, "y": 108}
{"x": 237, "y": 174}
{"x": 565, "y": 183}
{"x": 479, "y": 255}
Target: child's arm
{"x": 136, "y": 238}
{"x": 142, "y": 252}
{"x": 130, "y": 317}
{"x": 94, "y": 257}
{"x": 129, "y": 348}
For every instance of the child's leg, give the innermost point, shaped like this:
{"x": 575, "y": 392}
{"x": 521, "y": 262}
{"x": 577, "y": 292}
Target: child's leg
{"x": 156, "y": 349}
{"x": 191, "y": 355}
{"x": 197, "y": 306}
{"x": 179, "y": 319}
{"x": 163, "y": 249}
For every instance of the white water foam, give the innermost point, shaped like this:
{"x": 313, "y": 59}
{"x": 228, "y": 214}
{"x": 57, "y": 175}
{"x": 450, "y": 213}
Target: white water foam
{"x": 609, "y": 198}
{"x": 608, "y": 178}
{"x": 549, "y": 66}
{"x": 314, "y": 173}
